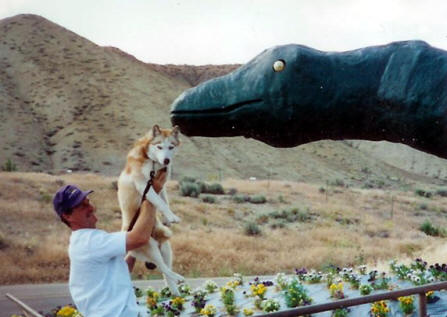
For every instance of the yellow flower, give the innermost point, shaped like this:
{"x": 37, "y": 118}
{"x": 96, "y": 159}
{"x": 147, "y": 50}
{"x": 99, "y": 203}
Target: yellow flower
{"x": 151, "y": 302}
{"x": 178, "y": 301}
{"x": 258, "y": 290}
{"x": 66, "y": 311}
{"x": 247, "y": 312}
{"x": 233, "y": 284}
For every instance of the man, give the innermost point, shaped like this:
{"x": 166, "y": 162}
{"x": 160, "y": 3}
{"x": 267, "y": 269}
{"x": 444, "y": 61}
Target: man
{"x": 100, "y": 282}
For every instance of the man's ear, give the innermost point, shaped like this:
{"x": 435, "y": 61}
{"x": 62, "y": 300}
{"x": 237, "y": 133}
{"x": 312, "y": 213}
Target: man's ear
{"x": 66, "y": 218}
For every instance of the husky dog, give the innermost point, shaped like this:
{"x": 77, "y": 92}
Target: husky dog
{"x": 151, "y": 153}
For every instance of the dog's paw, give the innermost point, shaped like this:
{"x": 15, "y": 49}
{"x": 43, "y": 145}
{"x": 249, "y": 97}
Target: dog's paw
{"x": 178, "y": 278}
{"x": 167, "y": 220}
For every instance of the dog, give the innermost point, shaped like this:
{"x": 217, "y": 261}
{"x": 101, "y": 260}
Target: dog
{"x": 151, "y": 153}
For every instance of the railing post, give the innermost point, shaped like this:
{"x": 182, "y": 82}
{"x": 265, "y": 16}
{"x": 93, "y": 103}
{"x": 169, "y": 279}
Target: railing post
{"x": 422, "y": 305}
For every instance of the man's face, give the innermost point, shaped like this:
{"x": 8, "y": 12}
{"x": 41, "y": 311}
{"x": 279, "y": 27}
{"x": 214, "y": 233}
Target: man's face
{"x": 83, "y": 216}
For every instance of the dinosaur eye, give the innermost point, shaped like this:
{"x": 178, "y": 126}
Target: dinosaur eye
{"x": 279, "y": 65}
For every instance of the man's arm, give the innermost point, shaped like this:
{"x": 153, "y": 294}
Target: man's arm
{"x": 142, "y": 230}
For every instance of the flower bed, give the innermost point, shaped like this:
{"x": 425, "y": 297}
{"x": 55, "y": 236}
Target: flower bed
{"x": 245, "y": 297}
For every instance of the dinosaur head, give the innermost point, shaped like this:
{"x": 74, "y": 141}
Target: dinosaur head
{"x": 253, "y": 101}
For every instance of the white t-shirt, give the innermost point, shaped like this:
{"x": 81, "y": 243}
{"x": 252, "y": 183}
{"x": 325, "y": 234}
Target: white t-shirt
{"x": 100, "y": 282}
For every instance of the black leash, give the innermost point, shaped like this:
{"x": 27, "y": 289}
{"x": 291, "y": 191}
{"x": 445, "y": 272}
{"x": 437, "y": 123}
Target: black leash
{"x": 146, "y": 189}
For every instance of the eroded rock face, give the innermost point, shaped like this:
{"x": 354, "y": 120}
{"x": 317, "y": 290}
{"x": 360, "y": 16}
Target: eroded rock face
{"x": 69, "y": 104}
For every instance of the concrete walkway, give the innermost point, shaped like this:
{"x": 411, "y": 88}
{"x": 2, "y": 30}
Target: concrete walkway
{"x": 44, "y": 297}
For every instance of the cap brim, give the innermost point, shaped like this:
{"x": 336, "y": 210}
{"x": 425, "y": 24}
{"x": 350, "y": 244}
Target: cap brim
{"x": 81, "y": 198}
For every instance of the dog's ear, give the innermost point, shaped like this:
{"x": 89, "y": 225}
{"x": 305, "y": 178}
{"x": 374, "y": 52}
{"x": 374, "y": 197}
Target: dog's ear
{"x": 155, "y": 130}
{"x": 175, "y": 132}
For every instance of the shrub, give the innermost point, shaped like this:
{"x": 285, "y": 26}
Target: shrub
{"x": 202, "y": 186}
{"x": 188, "y": 179}
{"x": 262, "y": 219}
{"x": 431, "y": 230}
{"x": 338, "y": 182}
{"x": 252, "y": 229}
{"x": 278, "y": 224}
{"x": 291, "y": 215}
{"x": 209, "y": 199}
{"x": 258, "y": 199}
{"x": 215, "y": 189}
{"x": 232, "y": 191}
{"x": 423, "y": 193}
{"x": 441, "y": 192}
{"x": 240, "y": 198}
{"x": 9, "y": 166}
{"x": 189, "y": 189}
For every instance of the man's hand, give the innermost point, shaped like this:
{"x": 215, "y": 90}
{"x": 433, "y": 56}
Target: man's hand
{"x": 160, "y": 179}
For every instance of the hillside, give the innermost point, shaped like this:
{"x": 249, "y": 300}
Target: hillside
{"x": 298, "y": 225}
{"x": 69, "y": 104}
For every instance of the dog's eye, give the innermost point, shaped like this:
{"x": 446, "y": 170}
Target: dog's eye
{"x": 171, "y": 147}
{"x": 279, "y": 65}
{"x": 159, "y": 147}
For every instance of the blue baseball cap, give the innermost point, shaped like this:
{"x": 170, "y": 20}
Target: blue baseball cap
{"x": 68, "y": 197}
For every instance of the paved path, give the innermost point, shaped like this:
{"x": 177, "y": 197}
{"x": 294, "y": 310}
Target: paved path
{"x": 44, "y": 297}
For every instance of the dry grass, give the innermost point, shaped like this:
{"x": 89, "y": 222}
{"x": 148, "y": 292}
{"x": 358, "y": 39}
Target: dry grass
{"x": 347, "y": 227}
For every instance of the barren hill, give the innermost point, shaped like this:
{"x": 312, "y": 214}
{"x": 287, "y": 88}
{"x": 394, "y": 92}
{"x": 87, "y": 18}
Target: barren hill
{"x": 67, "y": 103}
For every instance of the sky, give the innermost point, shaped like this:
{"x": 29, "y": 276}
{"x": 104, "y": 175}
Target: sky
{"x": 199, "y": 32}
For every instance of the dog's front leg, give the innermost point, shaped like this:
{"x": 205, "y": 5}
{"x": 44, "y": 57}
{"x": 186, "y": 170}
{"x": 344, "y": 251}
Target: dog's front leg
{"x": 161, "y": 205}
{"x": 164, "y": 196}
{"x": 154, "y": 198}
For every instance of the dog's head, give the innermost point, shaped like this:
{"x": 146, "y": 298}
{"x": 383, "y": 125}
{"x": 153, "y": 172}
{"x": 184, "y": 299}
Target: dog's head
{"x": 163, "y": 144}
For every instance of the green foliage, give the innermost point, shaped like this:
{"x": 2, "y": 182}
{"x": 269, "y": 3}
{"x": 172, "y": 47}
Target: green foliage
{"x": 296, "y": 295}
{"x": 337, "y": 182}
{"x": 365, "y": 289}
{"x": 258, "y": 199}
{"x": 215, "y": 189}
{"x": 209, "y": 199}
{"x": 291, "y": 215}
{"x": 138, "y": 292}
{"x": 240, "y": 198}
{"x": 340, "y": 312}
{"x": 423, "y": 193}
{"x": 188, "y": 179}
{"x": 252, "y": 229}
{"x": 227, "y": 296}
{"x": 45, "y": 197}
{"x": 278, "y": 224}
{"x": 189, "y": 189}
{"x": 9, "y": 166}
{"x": 431, "y": 230}
{"x": 442, "y": 192}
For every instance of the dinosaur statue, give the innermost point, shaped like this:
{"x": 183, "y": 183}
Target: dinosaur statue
{"x": 292, "y": 94}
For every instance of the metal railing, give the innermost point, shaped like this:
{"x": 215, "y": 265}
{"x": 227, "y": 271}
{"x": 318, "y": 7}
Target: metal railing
{"x": 27, "y": 310}
{"x": 318, "y": 308}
